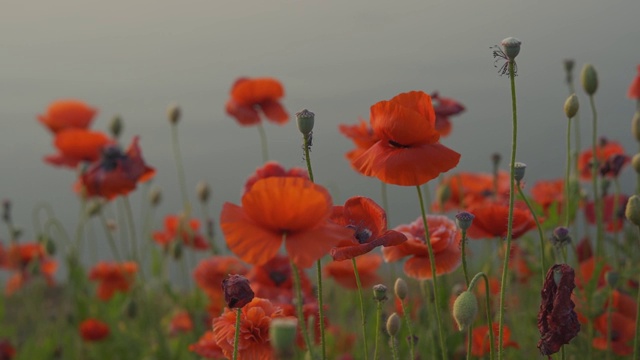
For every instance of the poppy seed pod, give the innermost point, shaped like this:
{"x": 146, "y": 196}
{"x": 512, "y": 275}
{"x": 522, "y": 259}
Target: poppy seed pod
{"x": 380, "y": 292}
{"x": 393, "y": 324}
{"x": 589, "y": 79}
{"x": 571, "y": 106}
{"x": 116, "y": 126}
{"x": 237, "y": 291}
{"x": 511, "y": 47}
{"x": 465, "y": 309}
{"x": 400, "y": 288}
{"x": 174, "y": 113}
{"x": 464, "y": 220}
{"x": 282, "y": 336}
{"x": 519, "y": 170}
{"x": 635, "y": 162}
{"x": 305, "y": 120}
{"x": 632, "y": 212}
{"x": 635, "y": 125}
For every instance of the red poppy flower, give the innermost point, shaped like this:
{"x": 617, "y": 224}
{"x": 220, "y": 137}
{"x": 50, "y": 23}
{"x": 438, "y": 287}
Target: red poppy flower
{"x": 67, "y": 114}
{"x": 622, "y": 331}
{"x": 634, "y": 89}
{"x": 480, "y": 345}
{"x": 26, "y": 260}
{"x": 369, "y": 221}
{"x": 77, "y": 145}
{"x": 255, "y": 319}
{"x": 613, "y": 218}
{"x": 586, "y": 269}
{"x": 605, "y": 150}
{"x": 177, "y": 227}
{"x": 273, "y": 280}
{"x": 444, "y": 108}
{"x": 583, "y": 250}
{"x": 342, "y": 271}
{"x": 93, "y": 330}
{"x": 362, "y": 136}
{"x": 117, "y": 173}
{"x": 273, "y": 169}
{"x": 549, "y": 192}
{"x": 211, "y": 271}
{"x": 7, "y": 351}
{"x": 180, "y": 323}
{"x": 624, "y": 304}
{"x": 282, "y": 206}
{"x": 207, "y": 347}
{"x": 466, "y": 189}
{"x": 519, "y": 265}
{"x": 310, "y": 311}
{"x": 113, "y": 277}
{"x": 491, "y": 220}
{"x": 445, "y": 240}
{"x": 248, "y": 96}
{"x": 408, "y": 152}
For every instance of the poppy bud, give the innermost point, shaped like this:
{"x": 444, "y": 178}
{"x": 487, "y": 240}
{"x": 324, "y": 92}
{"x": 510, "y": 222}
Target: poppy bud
{"x": 400, "y": 288}
{"x": 155, "y": 196}
{"x": 464, "y": 220}
{"x": 495, "y": 159}
{"x": 6, "y": 210}
{"x": 282, "y": 336}
{"x": 174, "y": 113}
{"x": 237, "y": 291}
{"x": 380, "y": 292}
{"x": 635, "y": 125}
{"x": 589, "y": 79}
{"x": 568, "y": 68}
{"x": 465, "y": 309}
{"x": 511, "y": 47}
{"x": 632, "y": 212}
{"x": 571, "y": 106}
{"x": 518, "y": 171}
{"x": 305, "y": 120}
{"x": 560, "y": 236}
{"x": 393, "y": 324}
{"x": 635, "y": 162}
{"x": 204, "y": 191}
{"x": 94, "y": 208}
{"x": 115, "y": 127}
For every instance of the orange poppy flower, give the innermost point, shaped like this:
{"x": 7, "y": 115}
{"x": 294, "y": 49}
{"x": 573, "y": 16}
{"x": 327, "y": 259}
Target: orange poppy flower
{"x": 480, "y": 345}
{"x": 624, "y": 304}
{"x": 408, "y": 152}
{"x": 23, "y": 259}
{"x": 180, "y": 323}
{"x": 444, "y": 108}
{"x": 342, "y": 271}
{"x": 369, "y": 221}
{"x": 117, "y": 173}
{"x": 466, "y": 189}
{"x": 613, "y": 218}
{"x": 207, "y": 347}
{"x": 491, "y": 220}
{"x": 77, "y": 145}
{"x": 605, "y": 150}
{"x": 67, "y": 114}
{"x": 177, "y": 227}
{"x": 587, "y": 267}
{"x": 634, "y": 89}
{"x": 362, "y": 136}
{"x": 622, "y": 331}
{"x": 255, "y": 319}
{"x": 7, "y": 351}
{"x": 273, "y": 280}
{"x": 113, "y": 277}
{"x": 273, "y": 169}
{"x": 277, "y": 207}
{"x": 548, "y": 192}
{"x": 93, "y": 330}
{"x": 248, "y": 96}
{"x": 211, "y": 271}
{"x": 445, "y": 240}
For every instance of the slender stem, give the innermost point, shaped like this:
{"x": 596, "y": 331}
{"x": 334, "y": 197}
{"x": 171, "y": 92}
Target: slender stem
{"x": 434, "y": 275}
{"x": 487, "y": 305}
{"x": 469, "y": 341}
{"x": 362, "y": 313}
{"x": 301, "y": 320}
{"x": 377, "y": 332}
{"x": 609, "y": 312}
{"x": 505, "y": 267}
{"x": 132, "y": 229}
{"x": 563, "y": 356}
{"x": 540, "y": 232}
{"x": 616, "y": 220}
{"x": 599, "y": 251}
{"x": 394, "y": 347}
{"x": 237, "y": 334}
{"x": 464, "y": 257}
{"x": 210, "y": 236}
{"x": 385, "y": 201}
{"x": 263, "y": 142}
{"x": 110, "y": 239}
{"x": 567, "y": 200}
{"x": 180, "y": 168}
{"x": 406, "y": 320}
{"x": 578, "y": 137}
{"x": 636, "y": 337}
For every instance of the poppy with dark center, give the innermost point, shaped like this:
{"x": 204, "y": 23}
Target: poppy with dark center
{"x": 274, "y": 281}
{"x": 557, "y": 320}
{"x": 612, "y": 217}
{"x": 621, "y": 336}
{"x": 634, "y": 88}
{"x": 362, "y": 136}
{"x": 549, "y": 192}
{"x": 250, "y": 97}
{"x": 407, "y": 152}
{"x": 237, "y": 291}
{"x": 465, "y": 189}
{"x": 116, "y": 173}
{"x": 93, "y": 330}
{"x": 26, "y": 260}
{"x": 445, "y": 241}
{"x": 605, "y": 150}
{"x": 369, "y": 222}
{"x": 491, "y": 220}
{"x": 367, "y": 265}
{"x": 273, "y": 169}
{"x": 614, "y": 164}
{"x": 444, "y": 108}
{"x": 76, "y": 146}
{"x": 112, "y": 277}
{"x": 177, "y": 227}
{"x": 67, "y": 114}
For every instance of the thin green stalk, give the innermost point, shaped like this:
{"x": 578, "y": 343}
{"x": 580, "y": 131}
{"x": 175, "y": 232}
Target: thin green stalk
{"x": 132, "y": 229}
{"x": 362, "y": 313}
{"x": 578, "y": 137}
{"x": 563, "y": 356}
{"x": 394, "y": 348}
{"x": 567, "y": 199}
{"x": 434, "y": 275}
{"x": 463, "y": 244}
{"x": 540, "y": 232}
{"x": 263, "y": 142}
{"x": 636, "y": 337}
{"x": 505, "y": 267}
{"x": 609, "y": 312}
{"x": 180, "y": 169}
{"x": 301, "y": 320}
{"x": 487, "y": 306}
{"x": 377, "y": 332}
{"x": 405, "y": 315}
{"x": 599, "y": 251}
{"x": 210, "y": 237}
{"x": 469, "y": 342}
{"x": 236, "y": 336}
{"x": 110, "y": 239}
{"x": 616, "y": 220}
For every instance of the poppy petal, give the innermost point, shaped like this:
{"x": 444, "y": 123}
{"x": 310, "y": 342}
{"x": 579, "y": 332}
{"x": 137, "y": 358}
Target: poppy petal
{"x": 245, "y": 115}
{"x": 275, "y": 112}
{"x": 306, "y": 247}
{"x": 257, "y": 90}
{"x": 402, "y": 124}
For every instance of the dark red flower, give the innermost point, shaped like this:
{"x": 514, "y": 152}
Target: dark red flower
{"x": 237, "y": 291}
{"x": 274, "y": 281}
{"x": 492, "y": 218}
{"x": 605, "y": 150}
{"x": 445, "y": 107}
{"x": 93, "y": 330}
{"x": 362, "y": 136}
{"x": 248, "y": 96}
{"x": 466, "y": 189}
{"x": 549, "y": 192}
{"x": 622, "y": 330}
{"x": 76, "y": 146}
{"x": 117, "y": 173}
{"x": 273, "y": 169}
{"x": 557, "y": 320}
{"x": 211, "y": 271}
{"x": 67, "y": 114}
{"x": 113, "y": 277}
{"x": 26, "y": 260}
{"x": 369, "y": 222}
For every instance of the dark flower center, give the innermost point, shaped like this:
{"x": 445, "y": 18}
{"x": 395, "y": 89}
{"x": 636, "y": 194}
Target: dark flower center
{"x": 398, "y": 145}
{"x": 110, "y": 157}
{"x": 362, "y": 234}
{"x": 278, "y": 277}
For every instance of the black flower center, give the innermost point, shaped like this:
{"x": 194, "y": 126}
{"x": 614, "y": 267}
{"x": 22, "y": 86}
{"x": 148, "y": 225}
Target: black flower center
{"x": 278, "y": 277}
{"x": 398, "y": 145}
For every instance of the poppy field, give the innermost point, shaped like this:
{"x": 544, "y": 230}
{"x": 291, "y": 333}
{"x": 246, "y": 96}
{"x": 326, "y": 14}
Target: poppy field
{"x": 489, "y": 267}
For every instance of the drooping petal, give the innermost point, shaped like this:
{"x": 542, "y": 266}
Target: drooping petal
{"x": 404, "y": 125}
{"x": 67, "y": 114}
{"x": 275, "y": 112}
{"x": 256, "y": 90}
{"x": 245, "y": 115}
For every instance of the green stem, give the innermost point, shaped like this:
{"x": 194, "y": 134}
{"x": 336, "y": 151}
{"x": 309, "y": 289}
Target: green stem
{"x": 301, "y": 320}
{"x": 636, "y": 337}
{"x": 132, "y": 229}
{"x": 236, "y": 336}
{"x": 263, "y": 142}
{"x": 434, "y": 275}
{"x": 377, "y": 332}
{"x": 464, "y": 257}
{"x": 180, "y": 169}
{"x": 110, "y": 239}
{"x": 608, "y": 333}
{"x": 567, "y": 200}
{"x": 406, "y": 320}
{"x": 394, "y": 347}
{"x": 469, "y": 342}
{"x": 578, "y": 138}
{"x": 599, "y": 251}
{"x": 505, "y": 267}
{"x": 488, "y": 307}
{"x": 616, "y": 220}
{"x": 540, "y": 232}
{"x": 362, "y": 313}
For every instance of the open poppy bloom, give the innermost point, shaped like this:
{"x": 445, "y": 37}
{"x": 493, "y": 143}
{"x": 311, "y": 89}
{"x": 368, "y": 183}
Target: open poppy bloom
{"x": 491, "y": 220}
{"x": 444, "y": 108}
{"x": 273, "y": 280}
{"x": 367, "y": 265}
{"x": 408, "y": 151}
{"x": 77, "y": 145}
{"x": 93, "y": 330}
{"x": 207, "y": 347}
{"x": 464, "y": 190}
{"x": 612, "y": 217}
{"x": 634, "y": 89}
{"x": 549, "y": 192}
{"x": 277, "y": 209}
{"x": 249, "y": 96}
{"x": 177, "y": 227}
{"x": 273, "y": 169}
{"x": 605, "y": 150}
{"x": 180, "y": 323}
{"x": 480, "y": 345}
{"x": 622, "y": 331}
{"x": 362, "y": 136}
{"x": 113, "y": 277}
{"x": 116, "y": 173}
{"x": 211, "y": 271}
{"x": 67, "y": 114}
{"x": 445, "y": 240}
{"x": 255, "y": 319}
{"x": 26, "y": 260}
{"x": 369, "y": 221}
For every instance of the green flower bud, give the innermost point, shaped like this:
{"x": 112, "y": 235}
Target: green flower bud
{"x": 589, "y": 79}
{"x": 305, "y": 121}
{"x": 155, "y": 196}
{"x": 464, "y": 220}
{"x": 635, "y": 162}
{"x": 611, "y": 277}
{"x": 282, "y": 336}
{"x": 393, "y": 324}
{"x": 465, "y": 309}
{"x": 116, "y": 126}
{"x": 571, "y": 106}
{"x": 93, "y": 208}
{"x": 635, "y": 125}
{"x": 400, "y": 288}
{"x": 519, "y": 169}
{"x": 632, "y": 212}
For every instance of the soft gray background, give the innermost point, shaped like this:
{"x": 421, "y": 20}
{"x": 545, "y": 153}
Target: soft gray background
{"x": 336, "y": 58}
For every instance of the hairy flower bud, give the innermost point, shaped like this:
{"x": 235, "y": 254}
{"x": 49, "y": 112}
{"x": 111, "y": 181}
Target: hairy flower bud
{"x": 116, "y": 126}
{"x": 464, "y": 220}
{"x": 635, "y": 162}
{"x": 571, "y": 106}
{"x": 282, "y": 336}
{"x": 519, "y": 170}
{"x": 174, "y": 113}
{"x": 400, "y": 288}
{"x": 380, "y": 292}
{"x": 237, "y": 291}
{"x": 635, "y": 125}
{"x": 204, "y": 191}
{"x": 305, "y": 120}
{"x": 465, "y": 309}
{"x": 589, "y": 79}
{"x": 393, "y": 324}
{"x": 632, "y": 212}
{"x": 155, "y": 196}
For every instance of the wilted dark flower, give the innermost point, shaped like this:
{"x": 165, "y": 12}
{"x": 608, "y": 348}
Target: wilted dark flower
{"x": 560, "y": 236}
{"x": 237, "y": 292}
{"x": 614, "y": 165}
{"x": 557, "y": 320}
